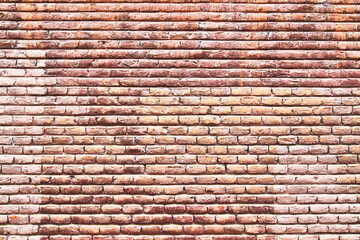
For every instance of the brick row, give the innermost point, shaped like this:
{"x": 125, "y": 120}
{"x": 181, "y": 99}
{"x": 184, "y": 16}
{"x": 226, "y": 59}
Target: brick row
{"x": 91, "y": 117}
{"x": 150, "y": 204}
{"x": 181, "y": 72}
{"x": 241, "y": 113}
{"x": 223, "y": 101}
{"x": 138, "y": 203}
{"x": 228, "y": 16}
{"x": 176, "y": 54}
{"x": 341, "y": 160}
{"x": 154, "y": 190}
{"x": 182, "y": 92}
{"x": 178, "y": 207}
{"x": 185, "y": 73}
{"x": 176, "y": 82}
{"x": 175, "y": 7}
{"x": 201, "y": 209}
{"x": 60, "y": 35}
{"x": 173, "y": 229}
{"x": 124, "y": 219}
{"x": 192, "y": 168}
{"x": 180, "y": 149}
{"x": 336, "y": 133}
{"x": 184, "y": 140}
{"x": 243, "y": 236}
{"x": 200, "y": 229}
{"x": 181, "y": 64}
{"x": 184, "y": 25}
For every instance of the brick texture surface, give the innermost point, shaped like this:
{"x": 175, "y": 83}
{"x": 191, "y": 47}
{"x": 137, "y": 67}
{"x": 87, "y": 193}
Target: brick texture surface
{"x": 179, "y": 120}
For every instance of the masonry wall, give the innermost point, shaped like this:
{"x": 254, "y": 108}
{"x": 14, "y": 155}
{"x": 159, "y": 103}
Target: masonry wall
{"x": 169, "y": 120}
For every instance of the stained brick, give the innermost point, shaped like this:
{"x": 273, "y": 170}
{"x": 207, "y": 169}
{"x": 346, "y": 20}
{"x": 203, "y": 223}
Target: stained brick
{"x": 179, "y": 120}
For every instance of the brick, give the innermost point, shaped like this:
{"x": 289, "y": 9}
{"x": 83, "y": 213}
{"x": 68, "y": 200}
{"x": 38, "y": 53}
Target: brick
{"x": 174, "y": 124}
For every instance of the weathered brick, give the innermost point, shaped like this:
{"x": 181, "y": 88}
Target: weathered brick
{"x": 179, "y": 120}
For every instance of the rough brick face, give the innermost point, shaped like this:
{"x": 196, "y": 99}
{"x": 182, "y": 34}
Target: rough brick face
{"x": 179, "y": 120}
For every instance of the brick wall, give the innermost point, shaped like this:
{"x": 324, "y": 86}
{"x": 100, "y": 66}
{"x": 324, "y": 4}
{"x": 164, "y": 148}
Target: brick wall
{"x": 179, "y": 120}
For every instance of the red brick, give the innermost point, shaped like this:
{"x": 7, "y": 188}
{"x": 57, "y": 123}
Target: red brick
{"x": 179, "y": 120}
